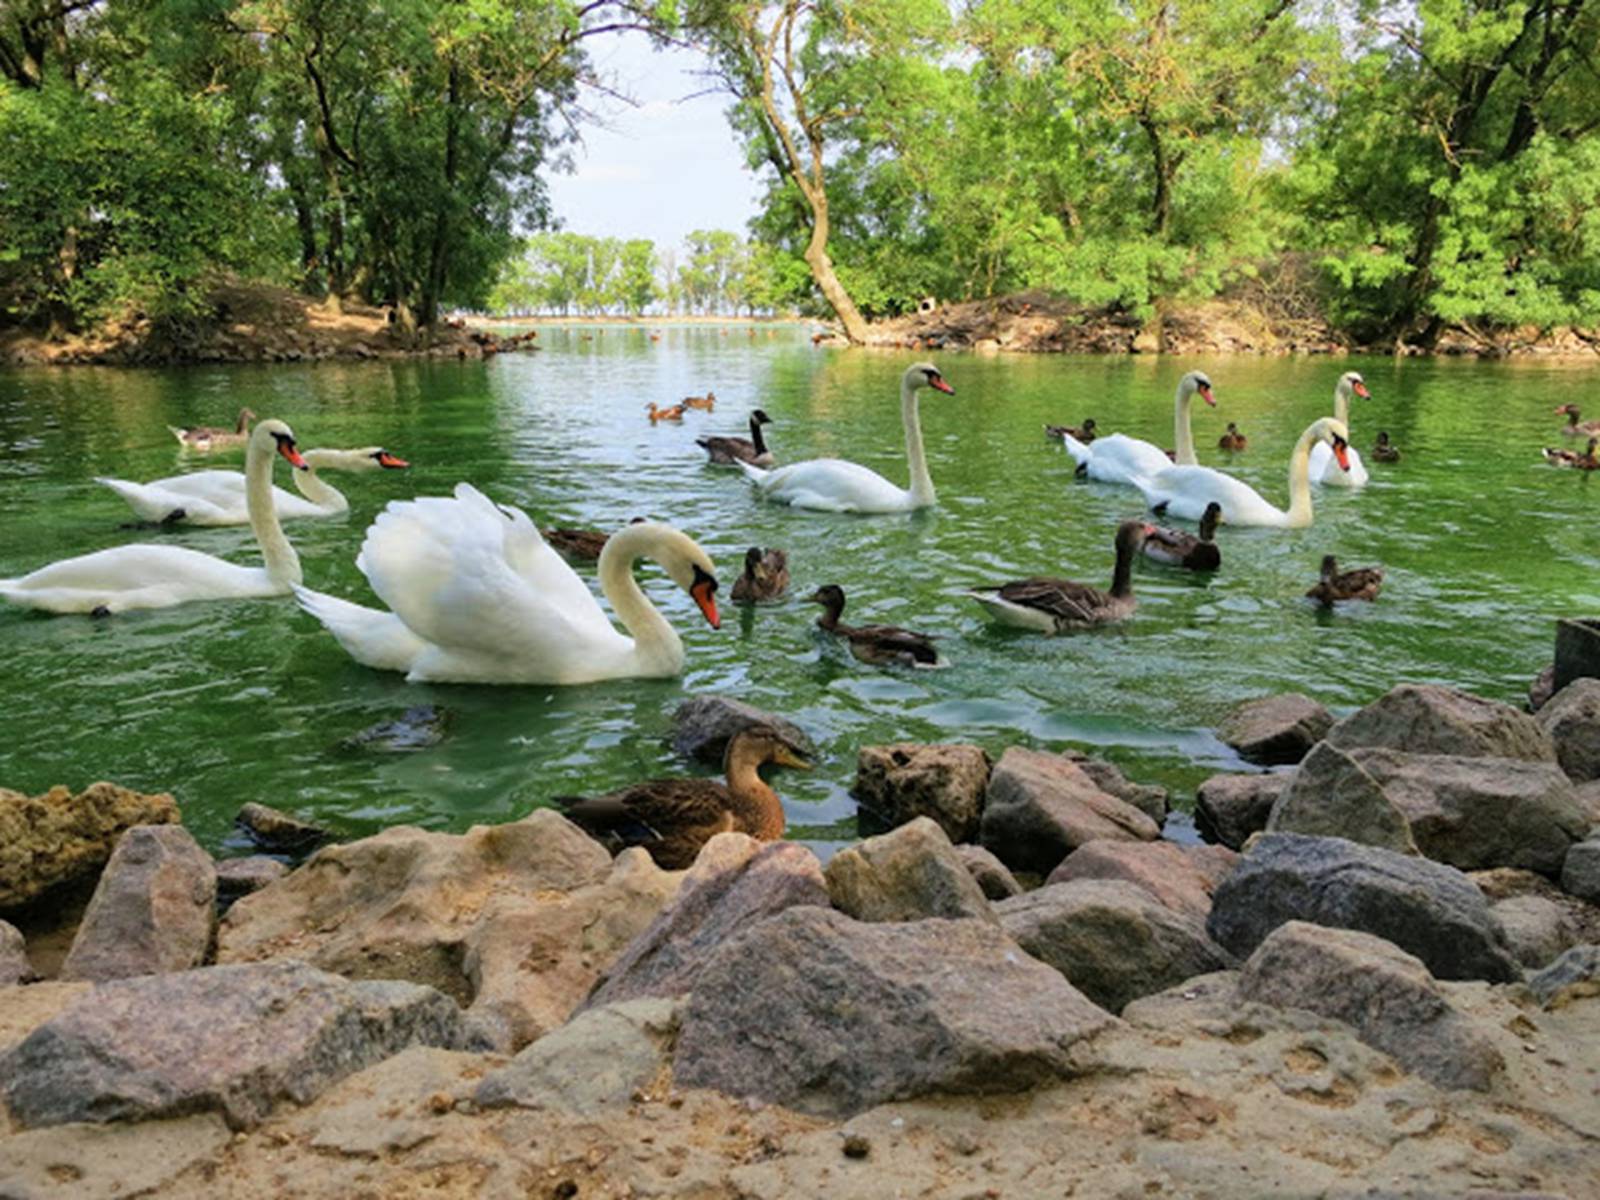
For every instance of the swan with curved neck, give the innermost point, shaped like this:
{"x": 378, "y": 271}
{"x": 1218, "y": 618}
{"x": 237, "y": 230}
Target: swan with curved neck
{"x": 476, "y": 595}
{"x": 1123, "y": 459}
{"x": 1324, "y": 469}
{"x": 1186, "y": 491}
{"x": 834, "y": 485}
{"x": 218, "y": 497}
{"x": 148, "y": 576}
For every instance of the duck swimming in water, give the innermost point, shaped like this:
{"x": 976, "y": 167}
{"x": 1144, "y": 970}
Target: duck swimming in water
{"x": 881, "y": 645}
{"x": 1335, "y": 585}
{"x": 1047, "y": 605}
{"x": 1178, "y": 548}
{"x": 765, "y": 577}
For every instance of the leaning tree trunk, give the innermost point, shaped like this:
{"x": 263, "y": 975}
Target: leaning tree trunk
{"x": 816, "y": 256}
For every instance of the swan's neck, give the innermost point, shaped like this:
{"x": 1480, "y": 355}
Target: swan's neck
{"x": 314, "y": 488}
{"x": 1341, "y": 405}
{"x": 755, "y": 805}
{"x": 282, "y": 563}
{"x": 756, "y": 440}
{"x": 656, "y": 643}
{"x": 1300, "y": 482}
{"x": 921, "y": 482}
{"x": 1182, "y": 435}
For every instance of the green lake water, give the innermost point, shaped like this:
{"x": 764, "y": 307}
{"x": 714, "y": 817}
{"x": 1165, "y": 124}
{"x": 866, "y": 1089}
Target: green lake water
{"x": 226, "y": 702}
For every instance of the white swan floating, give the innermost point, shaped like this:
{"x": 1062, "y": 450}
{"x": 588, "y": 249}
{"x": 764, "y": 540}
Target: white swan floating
{"x": 476, "y": 595}
{"x": 147, "y": 576}
{"x": 1324, "y": 469}
{"x": 219, "y": 497}
{"x": 1186, "y": 491}
{"x": 834, "y": 485}
{"x": 1123, "y": 459}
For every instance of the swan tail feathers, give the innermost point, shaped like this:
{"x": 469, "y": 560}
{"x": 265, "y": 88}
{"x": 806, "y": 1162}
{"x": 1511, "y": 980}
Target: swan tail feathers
{"x": 755, "y": 475}
{"x": 373, "y": 638}
{"x": 1080, "y": 453}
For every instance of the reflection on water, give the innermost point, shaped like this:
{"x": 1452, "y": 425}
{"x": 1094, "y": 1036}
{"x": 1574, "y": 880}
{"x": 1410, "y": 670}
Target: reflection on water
{"x": 227, "y": 702}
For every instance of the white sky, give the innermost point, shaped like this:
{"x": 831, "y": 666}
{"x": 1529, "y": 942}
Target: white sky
{"x": 661, "y": 169}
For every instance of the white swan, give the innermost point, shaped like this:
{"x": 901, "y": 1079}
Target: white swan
{"x": 1185, "y": 491}
{"x": 219, "y": 497}
{"x": 477, "y": 596}
{"x": 1323, "y": 467}
{"x": 1123, "y": 459}
{"x": 146, "y": 576}
{"x": 834, "y": 485}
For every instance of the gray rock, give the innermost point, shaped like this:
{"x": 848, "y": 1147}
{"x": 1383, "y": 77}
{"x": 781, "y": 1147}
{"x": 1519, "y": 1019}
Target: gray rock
{"x": 1537, "y": 928}
{"x": 1163, "y": 869}
{"x": 1386, "y": 994}
{"x": 1274, "y": 730}
{"x": 1573, "y": 976}
{"x": 897, "y": 783}
{"x": 1476, "y": 813}
{"x": 1580, "y": 876}
{"x": 277, "y": 831}
{"x": 735, "y": 882}
{"x": 993, "y": 878}
{"x": 235, "y": 1040}
{"x": 595, "y": 1062}
{"x": 833, "y": 1016}
{"x": 241, "y": 876}
{"x": 703, "y": 725}
{"x": 1425, "y": 908}
{"x": 1572, "y": 719}
{"x": 1579, "y": 917}
{"x": 1332, "y": 796}
{"x": 14, "y": 965}
{"x": 1542, "y": 688}
{"x": 1588, "y": 797}
{"x": 1423, "y": 718}
{"x": 908, "y": 874}
{"x": 1153, "y": 801}
{"x": 154, "y": 909}
{"x": 1041, "y": 807}
{"x": 1229, "y": 808}
{"x": 1111, "y": 940}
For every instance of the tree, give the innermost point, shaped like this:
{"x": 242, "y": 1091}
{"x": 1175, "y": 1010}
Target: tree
{"x": 636, "y": 275}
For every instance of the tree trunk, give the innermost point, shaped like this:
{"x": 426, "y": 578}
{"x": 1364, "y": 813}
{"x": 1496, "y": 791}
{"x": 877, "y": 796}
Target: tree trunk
{"x": 1161, "y": 202}
{"x": 816, "y": 256}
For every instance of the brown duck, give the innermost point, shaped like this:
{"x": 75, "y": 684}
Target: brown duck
{"x": 1177, "y": 548}
{"x": 1084, "y": 433}
{"x": 881, "y": 645}
{"x": 674, "y": 818}
{"x": 706, "y": 402}
{"x": 1335, "y": 585}
{"x": 1586, "y": 461}
{"x": 730, "y": 450}
{"x": 1384, "y": 450}
{"x": 1047, "y": 605}
{"x": 1233, "y": 439}
{"x": 580, "y": 545}
{"x": 208, "y": 437}
{"x": 1574, "y": 427}
{"x": 675, "y": 413}
{"x": 765, "y": 577}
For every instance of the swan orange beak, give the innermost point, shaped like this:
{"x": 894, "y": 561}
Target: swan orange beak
{"x": 286, "y": 448}
{"x": 1205, "y": 394}
{"x": 938, "y": 384}
{"x": 704, "y": 592}
{"x": 1360, "y": 389}
{"x": 385, "y": 459}
{"x": 1341, "y": 452}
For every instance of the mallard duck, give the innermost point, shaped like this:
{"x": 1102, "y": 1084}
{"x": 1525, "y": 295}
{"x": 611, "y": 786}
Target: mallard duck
{"x": 209, "y": 437}
{"x": 1233, "y": 439}
{"x": 1056, "y": 605}
{"x": 1083, "y": 433}
{"x": 1360, "y": 584}
{"x": 674, "y": 818}
{"x": 730, "y": 450}
{"x": 1383, "y": 450}
{"x": 766, "y": 576}
{"x": 1178, "y": 548}
{"x": 1573, "y": 427}
{"x": 881, "y": 645}
{"x": 707, "y": 402}
{"x": 1586, "y": 461}
{"x": 675, "y": 413}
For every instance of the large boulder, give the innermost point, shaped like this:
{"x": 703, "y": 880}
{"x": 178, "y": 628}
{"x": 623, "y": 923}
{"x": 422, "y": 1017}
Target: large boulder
{"x": 908, "y": 874}
{"x": 1572, "y": 719}
{"x": 154, "y": 909}
{"x": 236, "y": 1040}
{"x": 1537, "y": 928}
{"x": 1332, "y": 796}
{"x": 828, "y": 1015}
{"x": 1580, "y": 876}
{"x": 1162, "y": 868}
{"x": 1229, "y": 808}
{"x": 1274, "y": 730}
{"x": 1041, "y": 807}
{"x": 994, "y": 880}
{"x": 1424, "y": 718}
{"x": 514, "y": 922}
{"x": 1111, "y": 940}
{"x": 240, "y": 876}
{"x": 897, "y": 783}
{"x": 1386, "y": 994}
{"x": 14, "y": 965}
{"x": 735, "y": 882}
{"x": 1151, "y": 799}
{"x": 1425, "y": 908}
{"x": 58, "y": 837}
{"x": 703, "y": 726}
{"x": 280, "y": 832}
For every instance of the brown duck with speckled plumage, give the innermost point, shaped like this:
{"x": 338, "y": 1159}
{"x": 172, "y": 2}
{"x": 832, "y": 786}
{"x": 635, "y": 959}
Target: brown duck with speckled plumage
{"x": 765, "y": 577}
{"x": 880, "y": 645}
{"x": 1335, "y": 585}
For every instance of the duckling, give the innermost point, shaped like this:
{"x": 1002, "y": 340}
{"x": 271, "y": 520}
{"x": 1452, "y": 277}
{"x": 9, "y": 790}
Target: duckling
{"x": 1084, "y": 433}
{"x": 1360, "y": 584}
{"x": 1177, "y": 548}
{"x": 1586, "y": 461}
{"x": 1573, "y": 428}
{"x": 766, "y": 576}
{"x": 707, "y": 402}
{"x": 674, "y": 818}
{"x": 881, "y": 645}
{"x": 1383, "y": 450}
{"x": 675, "y": 413}
{"x": 209, "y": 437}
{"x": 1233, "y": 439}
{"x": 731, "y": 450}
{"x": 1057, "y": 605}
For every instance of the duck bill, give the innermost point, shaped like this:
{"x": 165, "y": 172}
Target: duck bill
{"x": 1341, "y": 453}
{"x": 702, "y": 593}
{"x": 385, "y": 459}
{"x": 939, "y": 385}
{"x": 1205, "y": 394}
{"x": 287, "y": 449}
{"x": 785, "y": 757}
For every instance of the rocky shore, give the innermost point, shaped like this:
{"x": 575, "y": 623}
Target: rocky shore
{"x": 1381, "y": 977}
